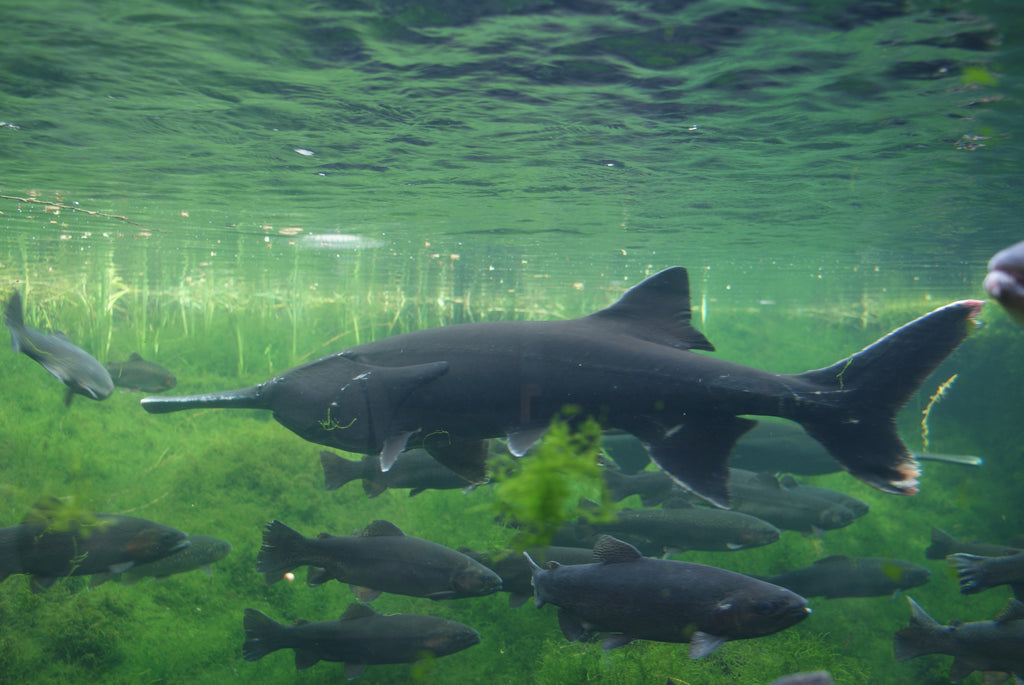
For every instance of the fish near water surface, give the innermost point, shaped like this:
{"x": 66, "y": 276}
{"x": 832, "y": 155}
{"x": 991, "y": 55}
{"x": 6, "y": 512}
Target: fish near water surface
{"x": 381, "y": 559}
{"x": 633, "y": 363}
{"x": 68, "y": 363}
{"x": 1005, "y": 280}
{"x": 361, "y": 637}
{"x": 636, "y": 597}
{"x": 137, "y": 374}
{"x": 996, "y": 645}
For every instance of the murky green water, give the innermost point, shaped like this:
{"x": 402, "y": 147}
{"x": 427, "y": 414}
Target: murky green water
{"x": 234, "y": 188}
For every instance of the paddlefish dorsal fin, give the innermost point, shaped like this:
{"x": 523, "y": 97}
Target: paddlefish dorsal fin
{"x": 609, "y": 550}
{"x": 657, "y": 310}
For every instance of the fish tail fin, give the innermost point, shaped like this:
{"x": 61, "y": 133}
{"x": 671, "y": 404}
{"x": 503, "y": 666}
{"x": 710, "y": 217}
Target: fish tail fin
{"x": 970, "y": 569}
{"x": 244, "y": 398}
{"x": 14, "y": 317}
{"x": 916, "y": 639}
{"x": 263, "y": 635}
{"x": 869, "y": 388}
{"x": 338, "y": 471}
{"x": 281, "y": 546}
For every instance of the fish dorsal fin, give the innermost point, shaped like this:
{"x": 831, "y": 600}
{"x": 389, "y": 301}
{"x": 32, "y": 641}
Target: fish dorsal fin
{"x": 833, "y": 559}
{"x": 357, "y": 610}
{"x": 135, "y": 357}
{"x": 1014, "y": 611}
{"x": 609, "y": 550}
{"x": 381, "y": 528}
{"x": 657, "y": 310}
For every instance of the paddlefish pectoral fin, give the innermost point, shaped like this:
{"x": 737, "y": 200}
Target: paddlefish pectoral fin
{"x": 696, "y": 454}
{"x": 866, "y": 391}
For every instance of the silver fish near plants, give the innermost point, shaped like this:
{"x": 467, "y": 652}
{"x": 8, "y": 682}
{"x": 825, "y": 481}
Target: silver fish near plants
{"x": 632, "y": 363}
{"x": 996, "y": 645}
{"x": 136, "y": 373}
{"x": 636, "y": 597}
{"x": 71, "y": 365}
{"x": 360, "y": 638}
{"x": 381, "y": 559}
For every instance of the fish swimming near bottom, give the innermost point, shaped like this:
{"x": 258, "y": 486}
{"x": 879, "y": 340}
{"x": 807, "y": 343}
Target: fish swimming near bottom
{"x": 55, "y": 541}
{"x": 842, "y": 576}
{"x": 636, "y": 597}
{"x": 635, "y": 364}
{"x": 416, "y": 470}
{"x": 977, "y": 573}
{"x": 137, "y": 374}
{"x": 381, "y": 559}
{"x": 68, "y": 363}
{"x": 944, "y": 544}
{"x": 361, "y": 637}
{"x": 979, "y": 646}
{"x": 202, "y": 550}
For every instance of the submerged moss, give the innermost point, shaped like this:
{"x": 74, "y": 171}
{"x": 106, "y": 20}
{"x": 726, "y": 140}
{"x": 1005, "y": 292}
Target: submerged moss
{"x": 545, "y": 489}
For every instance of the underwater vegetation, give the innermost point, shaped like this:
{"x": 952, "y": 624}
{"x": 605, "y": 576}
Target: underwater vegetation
{"x": 227, "y": 475}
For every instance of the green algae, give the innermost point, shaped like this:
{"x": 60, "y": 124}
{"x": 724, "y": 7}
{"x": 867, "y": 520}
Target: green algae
{"x": 545, "y": 489}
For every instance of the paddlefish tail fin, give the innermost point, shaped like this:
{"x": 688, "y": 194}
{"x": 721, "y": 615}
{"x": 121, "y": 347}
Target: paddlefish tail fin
{"x": 263, "y": 635}
{"x": 870, "y": 387}
{"x": 245, "y": 398}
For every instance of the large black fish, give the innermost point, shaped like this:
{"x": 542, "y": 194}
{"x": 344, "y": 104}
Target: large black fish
{"x": 636, "y": 597}
{"x": 979, "y": 646}
{"x": 381, "y": 559}
{"x": 55, "y": 541}
{"x": 136, "y": 373}
{"x": 631, "y": 364}
{"x": 842, "y": 576}
{"x": 359, "y": 638}
{"x": 69, "y": 364}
